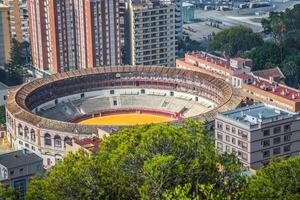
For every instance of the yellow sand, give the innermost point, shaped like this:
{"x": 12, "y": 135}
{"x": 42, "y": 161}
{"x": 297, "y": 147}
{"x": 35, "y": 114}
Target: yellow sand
{"x": 126, "y": 119}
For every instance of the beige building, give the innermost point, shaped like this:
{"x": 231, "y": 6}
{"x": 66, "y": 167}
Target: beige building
{"x": 4, "y": 35}
{"x": 18, "y": 19}
{"x": 151, "y": 29}
{"x": 258, "y": 133}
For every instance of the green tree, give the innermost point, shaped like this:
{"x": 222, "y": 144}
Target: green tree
{"x": 2, "y": 115}
{"x": 143, "y": 163}
{"x": 264, "y": 55}
{"x": 292, "y": 72}
{"x": 279, "y": 180}
{"x": 15, "y": 68}
{"x": 235, "y": 41}
{"x": 7, "y": 193}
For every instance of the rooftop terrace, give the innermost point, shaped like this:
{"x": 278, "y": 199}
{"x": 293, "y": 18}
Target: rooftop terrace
{"x": 258, "y": 114}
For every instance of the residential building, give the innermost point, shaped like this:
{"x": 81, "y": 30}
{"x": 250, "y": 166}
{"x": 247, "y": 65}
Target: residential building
{"x": 258, "y": 89}
{"x": 4, "y": 35}
{"x": 178, "y": 15}
{"x": 89, "y": 145}
{"x": 3, "y": 92}
{"x": 258, "y": 133}
{"x": 151, "y": 30}
{"x": 16, "y": 169}
{"x": 18, "y": 19}
{"x": 213, "y": 65}
{"x": 75, "y": 34}
{"x": 264, "y": 86}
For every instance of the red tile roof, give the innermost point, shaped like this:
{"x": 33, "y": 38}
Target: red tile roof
{"x": 91, "y": 144}
{"x": 277, "y": 89}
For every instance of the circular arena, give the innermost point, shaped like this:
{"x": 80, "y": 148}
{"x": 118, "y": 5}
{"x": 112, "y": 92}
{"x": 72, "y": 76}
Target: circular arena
{"x": 46, "y": 114}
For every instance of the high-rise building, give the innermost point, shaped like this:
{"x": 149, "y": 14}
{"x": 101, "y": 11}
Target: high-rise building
{"x": 75, "y": 34}
{"x": 178, "y": 15}
{"x": 18, "y": 19}
{"x": 151, "y": 30}
{"x": 4, "y": 35}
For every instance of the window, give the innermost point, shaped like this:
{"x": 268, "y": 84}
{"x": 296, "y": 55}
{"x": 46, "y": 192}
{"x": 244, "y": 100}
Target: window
{"x": 227, "y": 148}
{"x": 266, "y": 132}
{"x": 26, "y": 145}
{"x": 220, "y": 146}
{"x": 266, "y": 143}
{"x": 242, "y": 134}
{"x": 233, "y": 150}
{"x": 287, "y": 138}
{"x": 219, "y": 136}
{"x": 244, "y": 156}
{"x": 277, "y": 130}
{"x": 227, "y": 128}
{"x": 21, "y": 170}
{"x": 20, "y": 142}
{"x": 142, "y": 91}
{"x": 276, "y": 151}
{"x": 233, "y": 140}
{"x": 287, "y": 128}
{"x": 112, "y": 92}
{"x": 233, "y": 130}
{"x": 219, "y": 125}
{"x": 11, "y": 172}
{"x": 33, "y": 148}
{"x": 57, "y": 141}
{"x": 115, "y": 102}
{"x": 276, "y": 140}
{"x": 227, "y": 138}
{"x": 266, "y": 153}
{"x": 47, "y": 139}
{"x": 82, "y": 95}
{"x": 287, "y": 148}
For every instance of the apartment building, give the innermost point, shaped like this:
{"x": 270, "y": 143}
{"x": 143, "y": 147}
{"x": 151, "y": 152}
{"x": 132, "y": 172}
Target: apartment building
{"x": 75, "y": 34}
{"x": 213, "y": 65}
{"x": 17, "y": 167}
{"x": 151, "y": 30}
{"x": 178, "y": 15}
{"x": 18, "y": 19}
{"x": 265, "y": 86}
{"x": 257, "y": 133}
{"x": 5, "y": 36}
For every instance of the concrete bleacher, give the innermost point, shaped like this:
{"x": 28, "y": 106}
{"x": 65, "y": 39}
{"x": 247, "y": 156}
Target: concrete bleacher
{"x": 66, "y": 111}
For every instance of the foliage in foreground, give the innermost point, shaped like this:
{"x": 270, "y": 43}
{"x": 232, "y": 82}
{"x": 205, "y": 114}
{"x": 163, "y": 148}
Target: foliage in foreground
{"x": 7, "y": 193}
{"x": 279, "y": 180}
{"x": 164, "y": 162}
{"x": 148, "y": 162}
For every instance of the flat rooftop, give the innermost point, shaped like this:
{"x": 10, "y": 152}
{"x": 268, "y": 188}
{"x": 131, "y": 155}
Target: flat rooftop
{"x": 258, "y": 114}
{"x": 19, "y": 158}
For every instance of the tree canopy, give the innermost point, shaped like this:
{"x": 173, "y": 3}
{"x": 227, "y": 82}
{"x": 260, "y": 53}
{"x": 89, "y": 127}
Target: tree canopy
{"x": 15, "y": 72}
{"x": 279, "y": 180}
{"x": 7, "y": 193}
{"x": 235, "y": 40}
{"x": 148, "y": 162}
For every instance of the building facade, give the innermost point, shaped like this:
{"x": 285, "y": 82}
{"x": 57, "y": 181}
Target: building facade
{"x": 16, "y": 169}
{"x": 5, "y": 36}
{"x": 258, "y": 133}
{"x": 263, "y": 86}
{"x": 151, "y": 31}
{"x": 69, "y": 35}
{"x": 18, "y": 19}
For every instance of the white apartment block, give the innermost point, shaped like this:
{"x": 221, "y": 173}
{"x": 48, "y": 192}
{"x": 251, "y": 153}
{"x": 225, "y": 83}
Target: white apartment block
{"x": 152, "y": 33}
{"x": 258, "y": 133}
